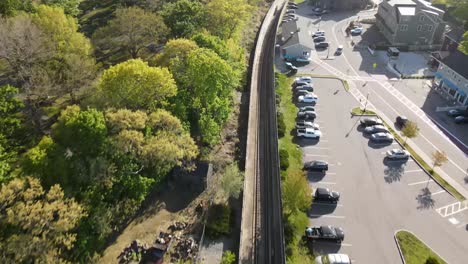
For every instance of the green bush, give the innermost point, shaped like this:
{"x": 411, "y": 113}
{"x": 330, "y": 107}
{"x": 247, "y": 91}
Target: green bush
{"x": 228, "y": 258}
{"x": 431, "y": 260}
{"x": 284, "y": 159}
{"x": 281, "y": 125}
{"x": 218, "y": 221}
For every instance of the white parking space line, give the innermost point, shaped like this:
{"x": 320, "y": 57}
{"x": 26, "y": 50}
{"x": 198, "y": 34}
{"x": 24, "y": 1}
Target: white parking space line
{"x": 330, "y": 173}
{"x": 452, "y": 209}
{"x": 316, "y": 155}
{"x": 412, "y": 171}
{"x": 421, "y": 182}
{"x": 322, "y": 140}
{"x": 431, "y": 194}
{"x": 326, "y": 183}
{"x": 313, "y": 147}
{"x": 327, "y": 216}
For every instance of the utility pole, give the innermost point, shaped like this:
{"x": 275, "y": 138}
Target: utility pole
{"x": 365, "y": 105}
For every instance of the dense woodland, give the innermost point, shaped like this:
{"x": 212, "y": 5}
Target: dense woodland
{"x": 99, "y": 101}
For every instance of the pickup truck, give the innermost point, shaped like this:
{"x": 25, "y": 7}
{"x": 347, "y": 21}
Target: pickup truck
{"x": 308, "y": 132}
{"x": 325, "y": 232}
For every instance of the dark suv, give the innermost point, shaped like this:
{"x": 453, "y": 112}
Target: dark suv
{"x": 316, "y": 165}
{"x": 325, "y": 195}
{"x": 401, "y": 121}
{"x": 370, "y": 121}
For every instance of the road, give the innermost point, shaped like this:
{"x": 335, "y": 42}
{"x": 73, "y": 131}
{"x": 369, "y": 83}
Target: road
{"x": 357, "y": 64}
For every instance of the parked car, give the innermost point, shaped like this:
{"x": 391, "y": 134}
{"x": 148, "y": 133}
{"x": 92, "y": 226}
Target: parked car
{"x": 401, "y": 121}
{"x": 319, "y": 39}
{"x": 325, "y": 233}
{"x": 309, "y": 98}
{"x": 461, "y": 119}
{"x": 309, "y": 133}
{"x": 292, "y": 3}
{"x": 306, "y": 124}
{"x": 290, "y": 11}
{"x": 325, "y": 195}
{"x": 306, "y": 79}
{"x": 322, "y": 45}
{"x": 397, "y": 154}
{"x": 370, "y": 121}
{"x": 307, "y": 108}
{"x": 381, "y": 137}
{"x": 291, "y": 67}
{"x": 299, "y": 83}
{"x": 317, "y": 10}
{"x": 306, "y": 115}
{"x": 357, "y": 31}
{"x": 375, "y": 129}
{"x": 302, "y": 92}
{"x": 286, "y": 20}
{"x": 316, "y": 165}
{"x": 333, "y": 259}
{"x": 292, "y": 6}
{"x": 291, "y": 16}
{"x": 318, "y": 33}
{"x": 455, "y": 112}
{"x": 339, "y": 50}
{"x": 309, "y": 88}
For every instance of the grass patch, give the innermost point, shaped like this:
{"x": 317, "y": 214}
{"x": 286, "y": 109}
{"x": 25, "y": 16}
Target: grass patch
{"x": 294, "y": 222}
{"x": 426, "y": 166}
{"x": 359, "y": 111}
{"x": 414, "y": 250}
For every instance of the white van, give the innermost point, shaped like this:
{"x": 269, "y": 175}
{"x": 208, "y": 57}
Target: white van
{"x": 333, "y": 259}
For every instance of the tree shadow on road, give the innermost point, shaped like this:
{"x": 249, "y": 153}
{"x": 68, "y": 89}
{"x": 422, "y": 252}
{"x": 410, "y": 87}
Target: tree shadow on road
{"x": 354, "y": 125}
{"x": 393, "y": 172}
{"x": 425, "y": 200}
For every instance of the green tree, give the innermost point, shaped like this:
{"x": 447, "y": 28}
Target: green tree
{"x": 175, "y": 54}
{"x": 463, "y": 47}
{"x": 71, "y": 7}
{"x": 228, "y": 257}
{"x": 135, "y": 85}
{"x": 36, "y": 225}
{"x": 132, "y": 30}
{"x": 225, "y": 17}
{"x": 296, "y": 193}
{"x": 11, "y": 7}
{"x": 184, "y": 17}
{"x": 209, "y": 89}
{"x": 232, "y": 182}
{"x": 410, "y": 130}
{"x": 123, "y": 119}
{"x": 10, "y": 115}
{"x": 460, "y": 9}
{"x": 438, "y": 158}
{"x": 431, "y": 260}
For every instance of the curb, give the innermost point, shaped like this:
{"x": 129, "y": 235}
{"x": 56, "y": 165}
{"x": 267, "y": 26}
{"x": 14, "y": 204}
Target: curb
{"x": 424, "y": 243}
{"x": 369, "y": 115}
{"x": 398, "y": 244}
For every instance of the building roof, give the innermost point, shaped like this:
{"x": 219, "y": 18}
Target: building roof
{"x": 406, "y": 11}
{"x": 455, "y": 34}
{"x": 458, "y": 62}
{"x": 430, "y": 6}
{"x": 291, "y": 35}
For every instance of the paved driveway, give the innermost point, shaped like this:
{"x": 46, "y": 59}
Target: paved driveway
{"x": 377, "y": 197}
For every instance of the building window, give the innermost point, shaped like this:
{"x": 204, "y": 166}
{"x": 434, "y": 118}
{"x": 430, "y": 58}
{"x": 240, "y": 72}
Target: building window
{"x": 419, "y": 27}
{"x": 421, "y": 18}
{"x": 430, "y": 27}
{"x": 461, "y": 98}
{"x": 403, "y": 27}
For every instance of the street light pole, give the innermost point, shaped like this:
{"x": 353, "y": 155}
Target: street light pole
{"x": 365, "y": 105}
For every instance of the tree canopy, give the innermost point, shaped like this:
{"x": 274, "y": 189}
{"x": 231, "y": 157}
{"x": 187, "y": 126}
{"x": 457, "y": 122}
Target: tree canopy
{"x": 184, "y": 17}
{"x": 132, "y": 29}
{"x": 225, "y": 17}
{"x": 69, "y": 6}
{"x": 135, "y": 85}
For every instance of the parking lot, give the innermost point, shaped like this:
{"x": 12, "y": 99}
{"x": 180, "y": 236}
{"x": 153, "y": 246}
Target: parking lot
{"x": 378, "y": 196}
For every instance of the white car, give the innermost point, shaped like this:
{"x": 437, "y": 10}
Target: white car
{"x": 306, "y": 79}
{"x": 333, "y": 259}
{"x": 356, "y": 30}
{"x": 307, "y": 124}
{"x": 308, "y": 132}
{"x": 309, "y": 98}
{"x": 398, "y": 154}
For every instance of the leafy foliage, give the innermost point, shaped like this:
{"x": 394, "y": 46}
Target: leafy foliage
{"x": 175, "y": 53}
{"x": 439, "y": 158}
{"x": 135, "y": 85}
{"x": 218, "y": 221}
{"x": 463, "y": 47}
{"x": 69, "y": 6}
{"x": 410, "y": 130}
{"x": 132, "y": 30}
{"x": 281, "y": 125}
{"x": 11, "y": 7}
{"x": 224, "y": 17}
{"x": 36, "y": 225}
{"x": 184, "y": 17}
{"x": 284, "y": 159}
{"x": 228, "y": 257}
{"x": 296, "y": 193}
{"x": 232, "y": 181}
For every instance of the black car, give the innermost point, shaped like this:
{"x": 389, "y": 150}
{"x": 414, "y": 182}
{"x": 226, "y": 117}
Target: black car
{"x": 325, "y": 195}
{"x": 461, "y": 119}
{"x": 370, "y": 121}
{"x": 306, "y": 115}
{"x": 455, "y": 113}
{"x": 309, "y": 88}
{"x": 307, "y": 108}
{"x": 316, "y": 165}
{"x": 322, "y": 45}
{"x": 325, "y": 232}
{"x": 292, "y": 6}
{"x": 401, "y": 121}
{"x": 319, "y": 39}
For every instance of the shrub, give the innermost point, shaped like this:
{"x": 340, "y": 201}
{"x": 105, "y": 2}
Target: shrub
{"x": 228, "y": 258}
{"x": 284, "y": 159}
{"x": 218, "y": 221}
{"x": 431, "y": 260}
{"x": 281, "y": 125}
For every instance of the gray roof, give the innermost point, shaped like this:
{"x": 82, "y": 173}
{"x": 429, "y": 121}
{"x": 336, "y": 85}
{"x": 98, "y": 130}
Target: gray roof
{"x": 291, "y": 35}
{"x": 455, "y": 34}
{"x": 401, "y": 2}
{"x": 458, "y": 62}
